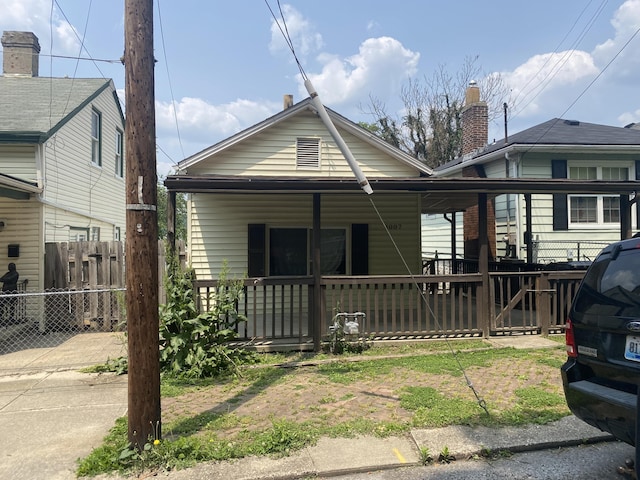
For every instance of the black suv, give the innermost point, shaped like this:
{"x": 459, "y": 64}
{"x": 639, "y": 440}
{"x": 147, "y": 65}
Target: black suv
{"x": 602, "y": 372}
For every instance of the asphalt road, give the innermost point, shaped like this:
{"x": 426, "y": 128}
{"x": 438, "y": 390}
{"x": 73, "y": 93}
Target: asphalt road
{"x": 590, "y": 462}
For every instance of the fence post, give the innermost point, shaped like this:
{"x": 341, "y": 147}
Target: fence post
{"x": 543, "y": 305}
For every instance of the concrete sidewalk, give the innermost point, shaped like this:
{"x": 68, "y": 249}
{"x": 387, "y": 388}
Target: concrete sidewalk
{"x": 51, "y": 415}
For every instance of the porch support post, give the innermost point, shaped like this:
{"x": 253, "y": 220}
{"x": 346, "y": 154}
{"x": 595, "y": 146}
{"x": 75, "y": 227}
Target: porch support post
{"x": 483, "y": 262}
{"x": 171, "y": 221}
{"x": 454, "y": 248}
{"x": 528, "y": 234}
{"x": 625, "y": 217}
{"x": 317, "y": 276}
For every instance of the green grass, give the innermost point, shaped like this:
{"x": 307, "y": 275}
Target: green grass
{"x": 212, "y": 436}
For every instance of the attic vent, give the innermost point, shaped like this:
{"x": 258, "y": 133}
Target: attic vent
{"x": 573, "y": 123}
{"x": 308, "y": 152}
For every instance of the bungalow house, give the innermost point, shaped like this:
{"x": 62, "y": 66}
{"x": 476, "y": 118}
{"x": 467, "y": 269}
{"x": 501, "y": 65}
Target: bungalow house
{"x": 562, "y": 226}
{"x": 279, "y": 205}
{"x": 61, "y": 160}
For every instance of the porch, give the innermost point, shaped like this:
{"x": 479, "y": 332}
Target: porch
{"x": 280, "y": 310}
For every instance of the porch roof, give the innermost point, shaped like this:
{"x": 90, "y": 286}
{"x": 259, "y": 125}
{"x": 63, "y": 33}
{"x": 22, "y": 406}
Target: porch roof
{"x": 440, "y": 195}
{"x": 16, "y": 188}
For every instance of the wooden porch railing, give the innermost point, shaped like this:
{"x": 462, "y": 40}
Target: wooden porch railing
{"x": 396, "y": 307}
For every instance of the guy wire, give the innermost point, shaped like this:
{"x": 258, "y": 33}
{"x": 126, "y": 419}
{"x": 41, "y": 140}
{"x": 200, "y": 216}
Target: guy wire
{"x": 481, "y": 402}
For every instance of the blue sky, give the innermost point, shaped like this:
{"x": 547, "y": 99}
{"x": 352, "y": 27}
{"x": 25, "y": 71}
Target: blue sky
{"x": 223, "y": 66}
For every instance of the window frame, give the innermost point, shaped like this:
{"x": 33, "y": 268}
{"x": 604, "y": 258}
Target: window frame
{"x": 600, "y": 199}
{"x": 344, "y": 264}
{"x": 119, "y": 155}
{"x": 96, "y": 137}
{"x": 78, "y": 234}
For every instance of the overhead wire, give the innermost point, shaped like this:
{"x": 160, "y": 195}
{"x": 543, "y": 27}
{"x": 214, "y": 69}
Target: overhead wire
{"x": 532, "y": 77}
{"x": 557, "y": 67}
{"x": 481, "y": 402}
{"x": 166, "y": 63}
{"x": 584, "y": 90}
{"x": 83, "y": 46}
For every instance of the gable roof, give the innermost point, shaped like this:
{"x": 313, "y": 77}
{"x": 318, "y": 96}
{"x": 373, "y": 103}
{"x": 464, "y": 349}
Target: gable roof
{"x": 34, "y": 108}
{"x": 553, "y": 134}
{"x": 337, "y": 119}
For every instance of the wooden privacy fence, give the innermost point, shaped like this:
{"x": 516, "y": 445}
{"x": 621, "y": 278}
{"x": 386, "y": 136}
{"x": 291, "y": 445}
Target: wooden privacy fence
{"x": 84, "y": 265}
{"x": 90, "y": 272}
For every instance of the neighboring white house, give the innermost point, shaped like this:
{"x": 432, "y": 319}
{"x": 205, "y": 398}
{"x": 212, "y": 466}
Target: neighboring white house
{"x": 564, "y": 227}
{"x": 61, "y": 159}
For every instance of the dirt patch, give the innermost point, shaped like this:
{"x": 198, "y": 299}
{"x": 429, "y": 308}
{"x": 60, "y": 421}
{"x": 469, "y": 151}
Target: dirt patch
{"x": 305, "y": 395}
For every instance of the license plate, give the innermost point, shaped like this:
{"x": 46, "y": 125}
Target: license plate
{"x": 632, "y": 349}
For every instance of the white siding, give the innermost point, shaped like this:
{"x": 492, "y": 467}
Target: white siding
{"x": 19, "y": 161}
{"x": 22, "y": 220}
{"x": 73, "y": 183}
{"x": 436, "y": 236}
{"x": 219, "y": 226}
{"x": 273, "y": 153}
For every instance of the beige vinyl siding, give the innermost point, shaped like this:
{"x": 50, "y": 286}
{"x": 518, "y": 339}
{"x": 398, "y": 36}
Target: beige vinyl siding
{"x": 72, "y": 182}
{"x": 22, "y": 220}
{"x": 219, "y": 226}
{"x": 19, "y": 161}
{"x": 273, "y": 153}
{"x": 59, "y": 224}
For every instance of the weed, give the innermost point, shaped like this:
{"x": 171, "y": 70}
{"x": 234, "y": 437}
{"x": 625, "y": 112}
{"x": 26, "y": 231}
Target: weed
{"x": 445, "y": 455}
{"x": 425, "y": 456}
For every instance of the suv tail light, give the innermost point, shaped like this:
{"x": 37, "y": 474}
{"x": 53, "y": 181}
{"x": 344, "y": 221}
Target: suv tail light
{"x": 570, "y": 340}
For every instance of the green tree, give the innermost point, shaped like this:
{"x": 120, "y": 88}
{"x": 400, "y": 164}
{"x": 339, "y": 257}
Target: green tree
{"x": 430, "y": 127}
{"x": 181, "y": 214}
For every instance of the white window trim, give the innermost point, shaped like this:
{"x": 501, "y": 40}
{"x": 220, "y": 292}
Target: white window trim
{"x": 599, "y": 224}
{"x": 119, "y": 155}
{"x": 96, "y": 141}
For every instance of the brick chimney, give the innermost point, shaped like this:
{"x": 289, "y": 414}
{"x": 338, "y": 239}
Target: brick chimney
{"x": 475, "y": 131}
{"x": 475, "y": 120}
{"x": 21, "y": 54}
{"x": 287, "y": 101}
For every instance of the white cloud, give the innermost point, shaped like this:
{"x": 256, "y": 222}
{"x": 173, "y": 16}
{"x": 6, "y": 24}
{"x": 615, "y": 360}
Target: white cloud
{"x": 34, "y": 16}
{"x": 381, "y": 65}
{"x": 629, "y": 117}
{"x": 203, "y": 124}
{"x": 625, "y": 22}
{"x": 302, "y": 33}
{"x": 535, "y": 81}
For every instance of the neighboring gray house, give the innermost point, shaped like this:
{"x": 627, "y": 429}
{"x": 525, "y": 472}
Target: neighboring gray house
{"x": 563, "y": 226}
{"x": 61, "y": 159}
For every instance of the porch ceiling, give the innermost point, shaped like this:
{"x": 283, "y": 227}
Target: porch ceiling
{"x": 441, "y": 195}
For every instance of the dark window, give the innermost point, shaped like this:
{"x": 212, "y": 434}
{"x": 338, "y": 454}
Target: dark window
{"x": 288, "y": 251}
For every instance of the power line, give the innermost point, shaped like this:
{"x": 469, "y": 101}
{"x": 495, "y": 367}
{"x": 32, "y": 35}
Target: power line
{"x": 166, "y": 63}
{"x": 515, "y": 101}
{"x": 561, "y": 62}
{"x": 82, "y": 45}
{"x": 595, "y": 79}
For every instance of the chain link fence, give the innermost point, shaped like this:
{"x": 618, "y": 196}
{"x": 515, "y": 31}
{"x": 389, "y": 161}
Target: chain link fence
{"x": 42, "y": 319}
{"x": 566, "y": 251}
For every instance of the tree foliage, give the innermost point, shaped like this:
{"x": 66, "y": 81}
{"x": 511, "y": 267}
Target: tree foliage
{"x": 193, "y": 344}
{"x": 429, "y": 127}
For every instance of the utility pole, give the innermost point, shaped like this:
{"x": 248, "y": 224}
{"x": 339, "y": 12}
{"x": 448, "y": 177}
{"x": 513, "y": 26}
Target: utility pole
{"x": 141, "y": 246}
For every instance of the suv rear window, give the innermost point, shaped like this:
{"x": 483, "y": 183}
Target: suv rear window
{"x": 612, "y": 285}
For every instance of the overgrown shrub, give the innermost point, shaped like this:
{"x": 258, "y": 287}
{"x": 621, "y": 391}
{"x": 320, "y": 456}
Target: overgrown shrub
{"x": 193, "y": 344}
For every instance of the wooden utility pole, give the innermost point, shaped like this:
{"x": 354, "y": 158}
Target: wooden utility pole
{"x": 142, "y": 225}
